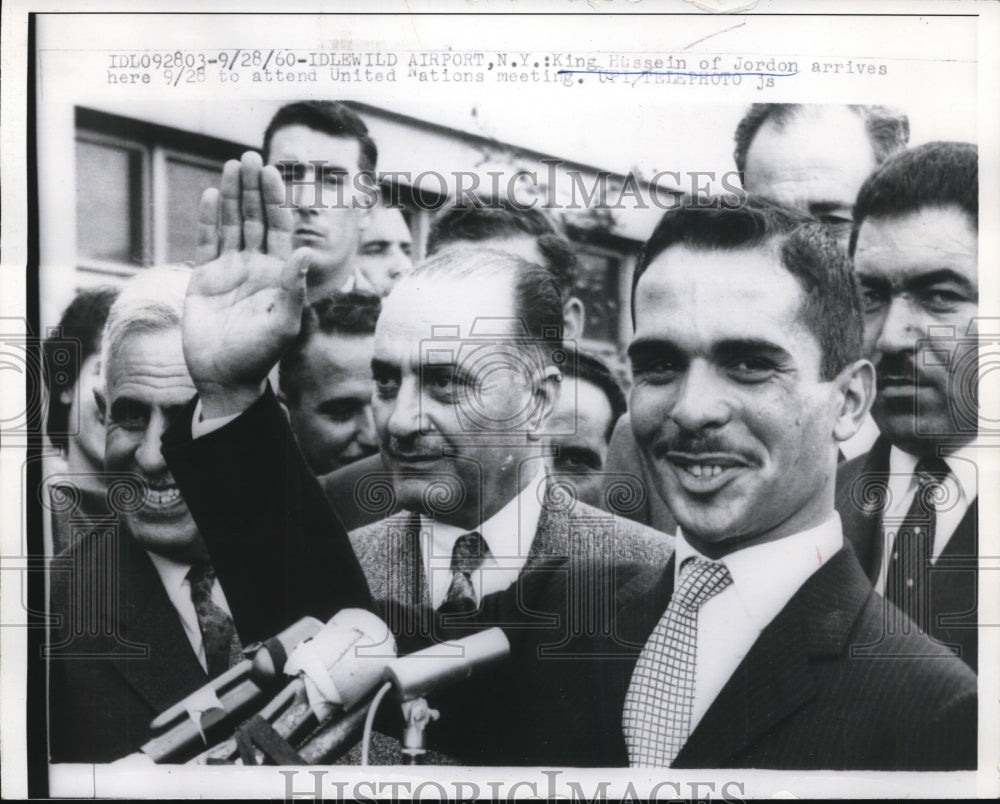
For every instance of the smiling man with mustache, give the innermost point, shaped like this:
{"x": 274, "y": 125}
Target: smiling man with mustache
{"x": 915, "y": 248}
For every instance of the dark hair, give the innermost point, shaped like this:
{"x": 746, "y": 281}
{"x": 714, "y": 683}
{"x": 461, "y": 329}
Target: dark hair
{"x": 347, "y": 314}
{"x": 888, "y": 129}
{"x": 330, "y": 117}
{"x": 831, "y": 310}
{"x": 484, "y": 219}
{"x": 82, "y": 322}
{"x": 592, "y": 369}
{"x": 936, "y": 174}
{"x": 537, "y": 301}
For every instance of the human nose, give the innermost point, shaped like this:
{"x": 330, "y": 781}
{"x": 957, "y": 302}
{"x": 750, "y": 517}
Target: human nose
{"x": 148, "y": 455}
{"x": 702, "y": 398}
{"x": 901, "y": 327}
{"x": 366, "y": 428}
{"x": 404, "y": 421}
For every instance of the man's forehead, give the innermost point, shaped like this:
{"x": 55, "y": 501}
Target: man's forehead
{"x": 152, "y": 360}
{"x": 731, "y": 291}
{"x": 303, "y": 143}
{"x": 449, "y": 307}
{"x": 387, "y": 224}
{"x": 927, "y": 240}
{"x": 828, "y": 146}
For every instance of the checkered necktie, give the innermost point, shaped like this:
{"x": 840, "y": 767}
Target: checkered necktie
{"x": 656, "y": 720}
{"x": 909, "y": 561}
{"x": 222, "y": 644}
{"x": 467, "y": 556}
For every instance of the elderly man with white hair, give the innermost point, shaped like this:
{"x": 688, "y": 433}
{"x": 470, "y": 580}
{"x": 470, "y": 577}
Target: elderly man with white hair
{"x": 140, "y": 620}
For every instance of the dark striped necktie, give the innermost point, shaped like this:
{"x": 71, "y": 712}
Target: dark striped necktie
{"x": 218, "y": 633}
{"x": 467, "y": 556}
{"x": 910, "y": 558}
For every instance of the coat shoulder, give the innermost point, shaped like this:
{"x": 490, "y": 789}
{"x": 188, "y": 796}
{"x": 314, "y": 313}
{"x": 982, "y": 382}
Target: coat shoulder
{"x": 630, "y": 541}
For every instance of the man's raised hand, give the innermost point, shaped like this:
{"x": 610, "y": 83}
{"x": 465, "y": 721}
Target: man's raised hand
{"x": 244, "y": 306}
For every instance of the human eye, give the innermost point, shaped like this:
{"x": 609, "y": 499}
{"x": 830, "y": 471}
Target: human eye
{"x": 386, "y": 382}
{"x": 334, "y": 177}
{"x": 374, "y": 249}
{"x": 444, "y": 383}
{"x": 873, "y": 297}
{"x": 752, "y": 368}
{"x": 657, "y": 370}
{"x": 291, "y": 171}
{"x": 942, "y": 299}
{"x": 130, "y": 414}
{"x": 578, "y": 461}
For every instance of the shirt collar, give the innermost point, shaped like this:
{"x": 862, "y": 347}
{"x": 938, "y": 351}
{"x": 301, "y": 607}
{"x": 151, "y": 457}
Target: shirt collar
{"x": 173, "y": 574}
{"x": 766, "y": 576}
{"x": 962, "y": 464}
{"x": 511, "y": 530}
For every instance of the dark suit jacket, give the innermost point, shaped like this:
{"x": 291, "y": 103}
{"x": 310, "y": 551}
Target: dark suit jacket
{"x": 821, "y": 687}
{"x": 953, "y": 585}
{"x": 118, "y": 652}
{"x": 354, "y": 492}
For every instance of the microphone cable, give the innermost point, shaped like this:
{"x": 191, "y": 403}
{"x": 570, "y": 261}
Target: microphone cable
{"x": 370, "y": 720}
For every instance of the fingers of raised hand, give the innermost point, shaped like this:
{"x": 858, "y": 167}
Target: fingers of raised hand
{"x": 207, "y": 245}
{"x": 252, "y": 206}
{"x": 231, "y": 217}
{"x": 277, "y": 214}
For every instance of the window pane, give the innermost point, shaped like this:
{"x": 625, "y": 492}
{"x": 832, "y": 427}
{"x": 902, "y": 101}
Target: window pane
{"x": 597, "y": 287}
{"x": 108, "y": 202}
{"x": 186, "y": 181}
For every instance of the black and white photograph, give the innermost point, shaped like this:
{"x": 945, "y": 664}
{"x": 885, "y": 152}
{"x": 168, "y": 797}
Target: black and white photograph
{"x": 472, "y": 402}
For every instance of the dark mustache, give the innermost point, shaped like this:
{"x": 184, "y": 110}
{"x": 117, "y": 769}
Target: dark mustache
{"x": 699, "y": 442}
{"x": 897, "y": 364}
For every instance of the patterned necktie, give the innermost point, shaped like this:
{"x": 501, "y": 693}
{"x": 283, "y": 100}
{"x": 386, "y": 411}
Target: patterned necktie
{"x": 467, "y": 556}
{"x": 656, "y": 719}
{"x": 222, "y": 644}
{"x": 909, "y": 561}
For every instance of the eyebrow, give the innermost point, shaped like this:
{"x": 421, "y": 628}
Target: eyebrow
{"x": 724, "y": 348}
{"x": 818, "y": 208}
{"x": 922, "y": 280}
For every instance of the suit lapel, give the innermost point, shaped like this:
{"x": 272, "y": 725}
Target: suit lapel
{"x": 860, "y": 500}
{"x": 147, "y": 617}
{"x": 775, "y": 679}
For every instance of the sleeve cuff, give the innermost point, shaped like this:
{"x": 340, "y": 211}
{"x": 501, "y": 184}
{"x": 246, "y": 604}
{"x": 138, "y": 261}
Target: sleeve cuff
{"x": 202, "y": 427}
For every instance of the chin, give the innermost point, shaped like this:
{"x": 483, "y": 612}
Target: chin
{"x": 179, "y": 540}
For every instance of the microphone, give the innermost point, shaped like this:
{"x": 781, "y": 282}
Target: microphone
{"x": 205, "y": 715}
{"x": 412, "y": 676}
{"x": 336, "y": 669}
{"x": 424, "y": 672}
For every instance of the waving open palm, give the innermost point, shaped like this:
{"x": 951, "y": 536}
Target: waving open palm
{"x": 244, "y": 307}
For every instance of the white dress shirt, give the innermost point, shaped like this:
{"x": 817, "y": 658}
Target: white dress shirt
{"x": 173, "y": 575}
{"x": 961, "y": 486}
{"x": 765, "y": 577}
{"x": 508, "y": 533}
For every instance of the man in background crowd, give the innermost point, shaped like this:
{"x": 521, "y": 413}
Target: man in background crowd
{"x": 73, "y": 421}
{"x": 590, "y": 402}
{"x": 814, "y": 157}
{"x": 915, "y": 248}
{"x": 326, "y": 381}
{"x": 384, "y": 256}
{"x": 327, "y": 161}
